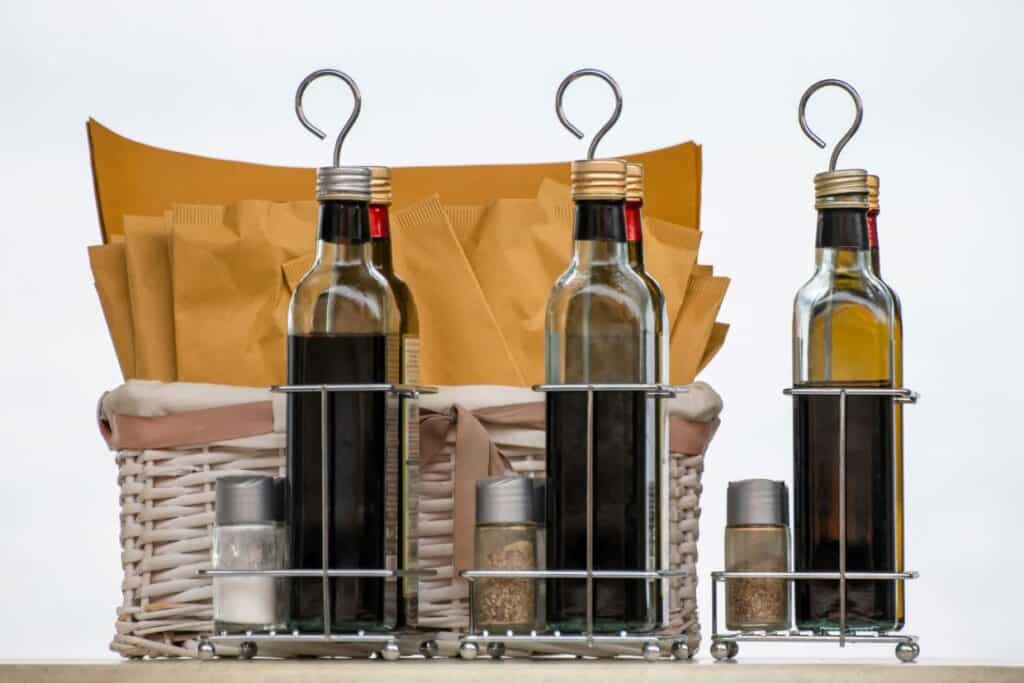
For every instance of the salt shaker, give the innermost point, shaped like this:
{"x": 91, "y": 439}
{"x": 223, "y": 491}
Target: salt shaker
{"x": 506, "y": 539}
{"x": 757, "y": 539}
{"x": 250, "y": 535}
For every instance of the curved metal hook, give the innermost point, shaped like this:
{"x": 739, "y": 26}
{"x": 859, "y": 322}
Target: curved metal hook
{"x": 356, "y": 107}
{"x": 853, "y": 127}
{"x": 611, "y": 121}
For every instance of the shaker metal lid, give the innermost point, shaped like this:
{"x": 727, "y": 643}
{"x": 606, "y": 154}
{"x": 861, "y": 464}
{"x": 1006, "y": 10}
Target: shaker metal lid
{"x": 507, "y": 500}
{"x": 634, "y": 182}
{"x": 757, "y": 501}
{"x": 343, "y": 182}
{"x": 248, "y": 500}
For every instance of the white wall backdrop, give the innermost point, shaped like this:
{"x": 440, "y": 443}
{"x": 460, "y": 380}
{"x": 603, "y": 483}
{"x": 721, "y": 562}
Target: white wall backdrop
{"x": 471, "y": 82}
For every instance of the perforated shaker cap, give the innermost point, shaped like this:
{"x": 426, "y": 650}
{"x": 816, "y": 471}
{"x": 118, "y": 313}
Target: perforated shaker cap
{"x": 507, "y": 500}
{"x": 757, "y": 501}
{"x": 248, "y": 500}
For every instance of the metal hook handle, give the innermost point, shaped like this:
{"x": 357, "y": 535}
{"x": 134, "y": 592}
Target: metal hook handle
{"x": 611, "y": 121}
{"x": 853, "y": 127}
{"x": 356, "y": 107}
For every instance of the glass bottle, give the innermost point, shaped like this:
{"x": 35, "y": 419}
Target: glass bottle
{"x": 505, "y": 539}
{"x": 635, "y": 246}
{"x": 600, "y": 329}
{"x": 843, "y": 324}
{"x": 249, "y": 534}
{"x": 409, "y": 331}
{"x": 757, "y": 540}
{"x": 343, "y": 327}
{"x": 873, "y": 211}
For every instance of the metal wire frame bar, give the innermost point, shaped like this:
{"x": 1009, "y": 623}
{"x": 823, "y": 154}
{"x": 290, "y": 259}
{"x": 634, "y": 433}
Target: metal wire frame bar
{"x": 653, "y": 390}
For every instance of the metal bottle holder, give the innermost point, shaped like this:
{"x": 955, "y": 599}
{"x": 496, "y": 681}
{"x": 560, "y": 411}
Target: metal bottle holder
{"x": 390, "y": 645}
{"x": 725, "y": 645}
{"x": 650, "y": 644}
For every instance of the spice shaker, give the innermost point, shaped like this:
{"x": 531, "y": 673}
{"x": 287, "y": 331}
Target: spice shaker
{"x": 756, "y": 540}
{"x": 506, "y": 539}
{"x": 250, "y": 535}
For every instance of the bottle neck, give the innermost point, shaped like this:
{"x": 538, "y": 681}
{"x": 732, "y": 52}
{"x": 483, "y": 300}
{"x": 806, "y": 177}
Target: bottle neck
{"x": 380, "y": 234}
{"x": 873, "y": 238}
{"x": 635, "y": 234}
{"x": 842, "y": 240}
{"x": 599, "y": 234}
{"x": 343, "y": 232}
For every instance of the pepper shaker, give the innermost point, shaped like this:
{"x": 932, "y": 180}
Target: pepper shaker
{"x": 756, "y": 540}
{"x": 506, "y": 539}
{"x": 249, "y": 535}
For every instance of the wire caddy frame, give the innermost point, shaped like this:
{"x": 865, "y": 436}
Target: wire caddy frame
{"x": 390, "y": 645}
{"x": 725, "y": 645}
{"x": 650, "y": 645}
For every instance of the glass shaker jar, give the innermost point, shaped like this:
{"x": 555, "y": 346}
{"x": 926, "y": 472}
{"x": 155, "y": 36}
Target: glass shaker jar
{"x": 506, "y": 539}
{"x": 756, "y": 540}
{"x": 249, "y": 534}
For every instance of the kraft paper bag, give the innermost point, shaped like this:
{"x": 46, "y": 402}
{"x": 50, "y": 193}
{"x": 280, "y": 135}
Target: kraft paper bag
{"x": 147, "y": 251}
{"x": 718, "y": 334}
{"x": 137, "y": 179}
{"x": 693, "y": 327}
{"x": 230, "y": 296}
{"x": 110, "y": 276}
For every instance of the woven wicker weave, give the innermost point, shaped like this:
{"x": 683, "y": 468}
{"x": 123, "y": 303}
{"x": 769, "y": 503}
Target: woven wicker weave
{"x": 167, "y": 511}
{"x": 444, "y": 599}
{"x": 166, "y": 515}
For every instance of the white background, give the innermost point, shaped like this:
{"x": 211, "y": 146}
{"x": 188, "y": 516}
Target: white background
{"x": 473, "y": 82}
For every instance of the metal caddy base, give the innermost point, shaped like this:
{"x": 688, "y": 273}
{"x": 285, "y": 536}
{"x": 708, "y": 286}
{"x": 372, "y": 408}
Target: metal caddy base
{"x": 389, "y": 645}
{"x": 650, "y": 645}
{"x": 725, "y": 645}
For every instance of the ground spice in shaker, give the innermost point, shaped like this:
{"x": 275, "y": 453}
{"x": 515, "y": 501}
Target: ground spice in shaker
{"x": 506, "y": 539}
{"x": 757, "y": 539}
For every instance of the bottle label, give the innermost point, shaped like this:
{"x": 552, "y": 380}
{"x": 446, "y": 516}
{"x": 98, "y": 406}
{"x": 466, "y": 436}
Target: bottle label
{"x": 411, "y": 458}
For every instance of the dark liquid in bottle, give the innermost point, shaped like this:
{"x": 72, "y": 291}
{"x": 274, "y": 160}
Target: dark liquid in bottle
{"x": 870, "y": 514}
{"x": 623, "y": 509}
{"x": 362, "y": 475}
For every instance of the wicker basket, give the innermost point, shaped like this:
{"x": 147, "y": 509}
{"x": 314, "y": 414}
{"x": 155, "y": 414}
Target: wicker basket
{"x": 444, "y": 599}
{"x": 174, "y": 440}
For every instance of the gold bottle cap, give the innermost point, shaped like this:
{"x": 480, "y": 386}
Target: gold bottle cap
{"x": 343, "y": 182}
{"x": 873, "y": 192}
{"x": 634, "y": 182}
{"x": 846, "y": 189}
{"x": 599, "y": 179}
{"x": 380, "y": 185}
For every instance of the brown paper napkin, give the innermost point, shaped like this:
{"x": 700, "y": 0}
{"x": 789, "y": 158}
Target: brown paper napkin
{"x": 463, "y": 220}
{"x": 460, "y": 338}
{"x": 110, "y": 275}
{"x": 147, "y": 253}
{"x": 230, "y": 296}
{"x": 133, "y": 178}
{"x": 693, "y": 327}
{"x": 460, "y": 341}
{"x": 718, "y": 333}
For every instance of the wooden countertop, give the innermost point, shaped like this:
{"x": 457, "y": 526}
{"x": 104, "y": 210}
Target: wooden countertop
{"x": 451, "y": 671}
